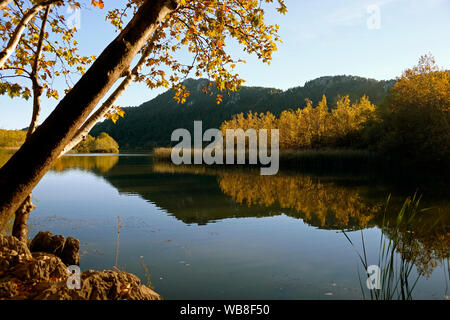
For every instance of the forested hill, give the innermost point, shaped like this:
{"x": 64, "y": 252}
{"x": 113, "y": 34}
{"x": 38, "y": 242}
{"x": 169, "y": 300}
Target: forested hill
{"x": 152, "y": 123}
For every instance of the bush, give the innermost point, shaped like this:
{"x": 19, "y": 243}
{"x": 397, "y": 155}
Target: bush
{"x": 102, "y": 144}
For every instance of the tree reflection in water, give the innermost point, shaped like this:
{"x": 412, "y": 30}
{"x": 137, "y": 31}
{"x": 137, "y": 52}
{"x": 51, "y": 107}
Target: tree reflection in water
{"x": 101, "y": 164}
{"x": 424, "y": 240}
{"x": 198, "y": 194}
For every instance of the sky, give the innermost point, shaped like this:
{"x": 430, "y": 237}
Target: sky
{"x": 369, "y": 38}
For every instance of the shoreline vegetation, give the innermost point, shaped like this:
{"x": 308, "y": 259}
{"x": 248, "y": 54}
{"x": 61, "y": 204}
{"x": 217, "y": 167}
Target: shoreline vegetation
{"x": 12, "y": 140}
{"x": 328, "y": 161}
{"x": 407, "y": 134}
{"x": 310, "y": 158}
{"x": 406, "y": 131}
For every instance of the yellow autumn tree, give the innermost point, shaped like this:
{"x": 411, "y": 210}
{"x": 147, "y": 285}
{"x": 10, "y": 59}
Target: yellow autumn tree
{"x": 416, "y": 116}
{"x": 348, "y": 120}
{"x": 312, "y": 127}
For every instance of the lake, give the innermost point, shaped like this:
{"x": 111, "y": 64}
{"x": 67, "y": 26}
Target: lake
{"x": 229, "y": 233}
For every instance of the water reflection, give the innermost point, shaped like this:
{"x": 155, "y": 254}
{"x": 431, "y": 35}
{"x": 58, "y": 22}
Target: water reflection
{"x": 322, "y": 204}
{"x": 424, "y": 243}
{"x": 424, "y": 240}
{"x": 201, "y": 195}
{"x": 95, "y": 163}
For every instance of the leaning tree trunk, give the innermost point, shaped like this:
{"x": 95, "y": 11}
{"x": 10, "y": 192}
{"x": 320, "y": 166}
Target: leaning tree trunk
{"x": 28, "y": 165}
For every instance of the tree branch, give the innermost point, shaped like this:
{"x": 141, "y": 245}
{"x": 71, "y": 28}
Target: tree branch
{"x": 37, "y": 88}
{"x": 17, "y": 34}
{"x": 4, "y": 3}
{"x": 107, "y": 105}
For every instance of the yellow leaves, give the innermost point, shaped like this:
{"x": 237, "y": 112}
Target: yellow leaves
{"x": 308, "y": 196}
{"x": 51, "y": 93}
{"x": 201, "y": 28}
{"x": 422, "y": 85}
{"x": 181, "y": 94}
{"x": 115, "y": 114}
{"x": 282, "y": 8}
{"x": 311, "y": 126}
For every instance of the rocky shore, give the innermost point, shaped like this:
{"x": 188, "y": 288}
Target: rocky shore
{"x": 40, "y": 272}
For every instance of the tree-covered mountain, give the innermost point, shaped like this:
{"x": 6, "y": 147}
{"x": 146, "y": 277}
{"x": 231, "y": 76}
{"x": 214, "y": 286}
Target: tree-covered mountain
{"x": 152, "y": 123}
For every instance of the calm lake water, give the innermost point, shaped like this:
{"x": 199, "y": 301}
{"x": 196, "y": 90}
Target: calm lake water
{"x": 206, "y": 233}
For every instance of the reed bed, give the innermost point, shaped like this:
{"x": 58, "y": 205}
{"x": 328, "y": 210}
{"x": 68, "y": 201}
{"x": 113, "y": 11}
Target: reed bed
{"x": 395, "y": 261}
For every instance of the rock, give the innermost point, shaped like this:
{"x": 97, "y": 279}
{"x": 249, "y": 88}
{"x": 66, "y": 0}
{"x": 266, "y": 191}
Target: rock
{"x": 43, "y": 266}
{"x": 8, "y": 289}
{"x": 70, "y": 254}
{"x": 43, "y": 276}
{"x": 41, "y": 242}
{"x": 12, "y": 252}
{"x": 66, "y": 249}
{"x": 57, "y": 245}
{"x": 103, "y": 285}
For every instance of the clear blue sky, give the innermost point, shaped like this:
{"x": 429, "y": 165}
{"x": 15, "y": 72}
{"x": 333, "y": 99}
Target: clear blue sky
{"x": 321, "y": 37}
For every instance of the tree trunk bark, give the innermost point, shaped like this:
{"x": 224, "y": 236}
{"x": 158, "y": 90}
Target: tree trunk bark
{"x": 28, "y": 165}
{"x": 20, "y": 228}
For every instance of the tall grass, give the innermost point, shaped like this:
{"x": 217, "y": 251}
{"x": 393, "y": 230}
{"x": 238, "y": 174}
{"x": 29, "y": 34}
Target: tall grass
{"x": 395, "y": 260}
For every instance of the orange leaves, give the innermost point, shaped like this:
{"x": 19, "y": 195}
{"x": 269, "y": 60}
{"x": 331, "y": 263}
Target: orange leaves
{"x": 75, "y": 5}
{"x": 224, "y": 6}
{"x": 99, "y": 4}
